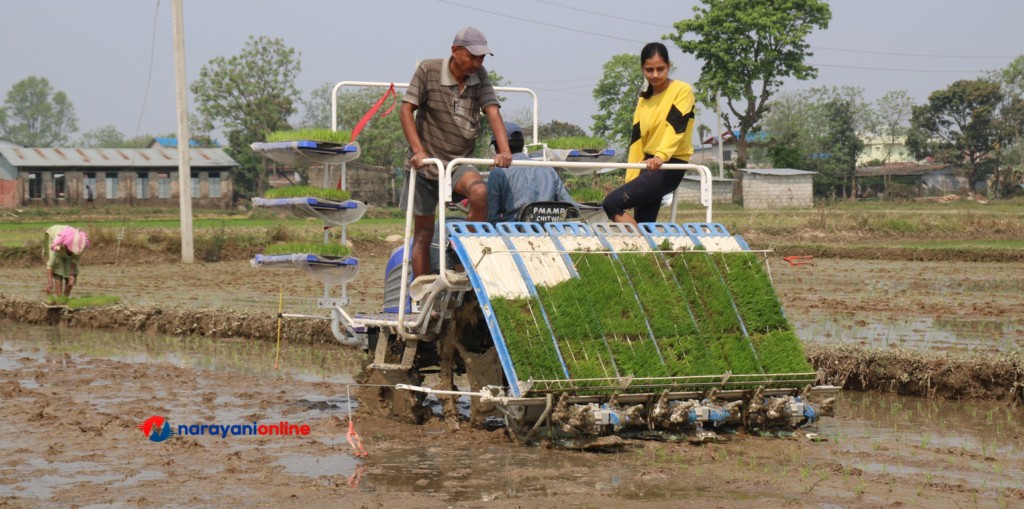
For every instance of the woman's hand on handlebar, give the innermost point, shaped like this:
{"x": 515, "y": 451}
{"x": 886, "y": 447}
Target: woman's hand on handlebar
{"x": 654, "y": 163}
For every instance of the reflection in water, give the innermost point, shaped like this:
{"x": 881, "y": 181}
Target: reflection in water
{"x": 331, "y": 363}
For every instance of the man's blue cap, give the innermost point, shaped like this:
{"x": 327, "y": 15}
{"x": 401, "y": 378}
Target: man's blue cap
{"x": 514, "y": 133}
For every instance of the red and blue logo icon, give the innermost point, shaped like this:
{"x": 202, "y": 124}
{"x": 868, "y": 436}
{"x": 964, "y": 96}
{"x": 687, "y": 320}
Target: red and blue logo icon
{"x": 156, "y": 428}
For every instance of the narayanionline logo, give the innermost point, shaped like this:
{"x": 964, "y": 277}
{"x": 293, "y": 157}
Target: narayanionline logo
{"x": 158, "y": 429}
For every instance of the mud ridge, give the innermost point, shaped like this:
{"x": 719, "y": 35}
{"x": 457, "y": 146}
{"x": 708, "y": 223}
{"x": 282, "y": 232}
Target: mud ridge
{"x": 915, "y": 373}
{"x": 214, "y": 323}
{"x": 906, "y": 372}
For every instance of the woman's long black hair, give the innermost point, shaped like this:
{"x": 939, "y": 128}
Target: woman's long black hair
{"x": 650, "y": 50}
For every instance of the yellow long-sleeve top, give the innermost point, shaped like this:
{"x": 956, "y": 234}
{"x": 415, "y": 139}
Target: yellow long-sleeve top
{"x": 663, "y": 126}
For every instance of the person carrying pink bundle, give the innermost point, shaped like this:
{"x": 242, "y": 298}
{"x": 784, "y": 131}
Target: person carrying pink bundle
{"x": 63, "y": 247}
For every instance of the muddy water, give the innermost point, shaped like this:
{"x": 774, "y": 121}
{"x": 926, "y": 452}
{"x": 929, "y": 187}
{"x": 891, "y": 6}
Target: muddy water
{"x": 880, "y": 448}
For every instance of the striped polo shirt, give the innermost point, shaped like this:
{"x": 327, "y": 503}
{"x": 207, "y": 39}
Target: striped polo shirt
{"x": 448, "y": 122}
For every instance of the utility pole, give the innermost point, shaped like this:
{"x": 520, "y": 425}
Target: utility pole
{"x": 184, "y": 164}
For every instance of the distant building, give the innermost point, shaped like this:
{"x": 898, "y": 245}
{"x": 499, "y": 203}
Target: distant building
{"x": 146, "y": 176}
{"x": 707, "y": 152}
{"x": 774, "y": 188}
{"x": 910, "y": 180}
{"x": 880, "y": 149}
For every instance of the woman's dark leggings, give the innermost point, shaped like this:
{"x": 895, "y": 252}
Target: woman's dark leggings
{"x": 643, "y": 194}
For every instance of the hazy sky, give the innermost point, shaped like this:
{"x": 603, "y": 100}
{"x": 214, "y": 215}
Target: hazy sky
{"x": 100, "y": 52}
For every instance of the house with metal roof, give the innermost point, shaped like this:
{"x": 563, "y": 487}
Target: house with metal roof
{"x": 775, "y": 188}
{"x": 146, "y": 176}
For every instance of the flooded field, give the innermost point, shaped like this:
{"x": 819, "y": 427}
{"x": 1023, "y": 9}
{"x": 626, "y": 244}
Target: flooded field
{"x": 73, "y": 399}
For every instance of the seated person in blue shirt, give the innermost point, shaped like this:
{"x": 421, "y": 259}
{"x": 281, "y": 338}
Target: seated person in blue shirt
{"x": 510, "y": 189}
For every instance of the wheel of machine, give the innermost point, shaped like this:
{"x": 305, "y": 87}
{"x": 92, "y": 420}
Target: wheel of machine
{"x": 380, "y": 398}
{"x": 475, "y": 355}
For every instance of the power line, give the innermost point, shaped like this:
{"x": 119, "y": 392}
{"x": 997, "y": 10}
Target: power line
{"x": 612, "y": 16}
{"x": 916, "y": 55}
{"x": 149, "y": 76}
{"x": 535, "y": 22}
{"x": 893, "y": 69}
{"x": 826, "y": 48}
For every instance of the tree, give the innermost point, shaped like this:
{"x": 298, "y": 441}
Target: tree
{"x": 820, "y": 129}
{"x": 893, "y": 121}
{"x": 382, "y": 142}
{"x": 960, "y": 125}
{"x": 748, "y": 47}
{"x": 843, "y": 141}
{"x": 616, "y": 94}
{"x": 558, "y": 129}
{"x": 1012, "y": 156}
{"x": 103, "y": 137}
{"x": 250, "y": 95}
{"x": 34, "y": 115}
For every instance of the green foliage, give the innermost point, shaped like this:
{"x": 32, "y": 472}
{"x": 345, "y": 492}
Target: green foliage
{"x": 325, "y": 193}
{"x": 893, "y": 120}
{"x": 528, "y": 339}
{"x": 250, "y": 95}
{"x": 963, "y": 124}
{"x": 616, "y": 94}
{"x": 34, "y": 115}
{"x": 747, "y": 48}
{"x": 325, "y": 250}
{"x": 311, "y": 134}
{"x": 381, "y": 141}
{"x": 820, "y": 130}
{"x": 577, "y": 142}
{"x": 558, "y": 129}
{"x": 104, "y": 137}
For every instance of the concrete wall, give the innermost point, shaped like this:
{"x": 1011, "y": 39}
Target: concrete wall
{"x": 689, "y": 191}
{"x": 775, "y": 192}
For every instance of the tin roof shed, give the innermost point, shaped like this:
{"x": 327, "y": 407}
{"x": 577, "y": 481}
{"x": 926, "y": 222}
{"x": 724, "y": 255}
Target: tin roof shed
{"x": 113, "y": 157}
